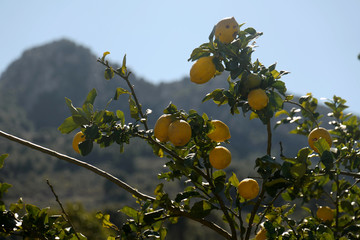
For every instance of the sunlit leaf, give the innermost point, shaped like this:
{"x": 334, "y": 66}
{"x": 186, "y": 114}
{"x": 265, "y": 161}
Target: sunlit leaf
{"x": 109, "y": 73}
{"x": 68, "y": 125}
{"x": 2, "y": 159}
{"x": 104, "y": 55}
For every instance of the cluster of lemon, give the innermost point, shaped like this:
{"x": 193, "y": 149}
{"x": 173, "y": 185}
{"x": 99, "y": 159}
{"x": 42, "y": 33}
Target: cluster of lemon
{"x": 167, "y": 129}
{"x": 204, "y": 68}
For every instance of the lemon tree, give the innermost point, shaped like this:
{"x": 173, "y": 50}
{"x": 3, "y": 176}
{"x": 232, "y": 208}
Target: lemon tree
{"x": 278, "y": 201}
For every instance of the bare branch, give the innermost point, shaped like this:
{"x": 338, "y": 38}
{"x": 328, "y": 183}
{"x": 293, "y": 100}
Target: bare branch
{"x": 75, "y": 161}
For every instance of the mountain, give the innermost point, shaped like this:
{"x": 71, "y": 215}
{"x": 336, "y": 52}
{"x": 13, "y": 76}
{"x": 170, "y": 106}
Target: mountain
{"x": 33, "y": 91}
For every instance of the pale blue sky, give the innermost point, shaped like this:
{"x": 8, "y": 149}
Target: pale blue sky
{"x": 317, "y": 41}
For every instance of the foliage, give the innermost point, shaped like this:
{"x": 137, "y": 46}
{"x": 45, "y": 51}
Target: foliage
{"x": 209, "y": 196}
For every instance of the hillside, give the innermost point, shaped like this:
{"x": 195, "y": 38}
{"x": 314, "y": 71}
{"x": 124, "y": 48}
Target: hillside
{"x": 33, "y": 91}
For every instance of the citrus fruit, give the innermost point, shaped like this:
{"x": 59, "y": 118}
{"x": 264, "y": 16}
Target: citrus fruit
{"x": 220, "y": 157}
{"x": 248, "y": 188}
{"x": 226, "y": 30}
{"x": 252, "y": 81}
{"x": 202, "y": 70}
{"x": 258, "y": 99}
{"x": 261, "y": 234}
{"x": 220, "y": 133}
{"x": 78, "y": 138}
{"x": 316, "y": 134}
{"x": 179, "y": 132}
{"x": 162, "y": 126}
{"x": 325, "y": 213}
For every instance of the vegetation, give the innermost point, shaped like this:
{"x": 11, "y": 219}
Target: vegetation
{"x": 278, "y": 202}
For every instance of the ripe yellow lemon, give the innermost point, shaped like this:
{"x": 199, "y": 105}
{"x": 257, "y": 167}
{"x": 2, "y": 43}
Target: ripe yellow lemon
{"x": 226, "y": 30}
{"x": 258, "y": 99}
{"x": 78, "y": 138}
{"x": 221, "y": 132}
{"x": 179, "y": 132}
{"x": 261, "y": 234}
{"x": 316, "y": 134}
{"x": 202, "y": 70}
{"x": 220, "y": 157}
{"x": 162, "y": 126}
{"x": 248, "y": 188}
{"x": 325, "y": 213}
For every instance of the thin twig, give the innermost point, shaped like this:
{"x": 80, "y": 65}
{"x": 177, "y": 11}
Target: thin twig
{"x": 254, "y": 211}
{"x": 306, "y": 110}
{"x": 67, "y": 218}
{"x": 126, "y": 78}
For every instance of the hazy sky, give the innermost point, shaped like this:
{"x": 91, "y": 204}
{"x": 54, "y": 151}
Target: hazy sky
{"x": 317, "y": 41}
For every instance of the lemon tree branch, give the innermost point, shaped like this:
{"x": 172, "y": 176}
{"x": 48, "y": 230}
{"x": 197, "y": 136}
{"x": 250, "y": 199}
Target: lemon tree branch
{"x": 80, "y": 163}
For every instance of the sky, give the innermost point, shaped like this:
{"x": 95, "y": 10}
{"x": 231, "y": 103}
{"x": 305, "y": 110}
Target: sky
{"x": 317, "y": 41}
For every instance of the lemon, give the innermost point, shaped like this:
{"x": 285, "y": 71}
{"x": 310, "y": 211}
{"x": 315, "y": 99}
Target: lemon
{"x": 316, "y": 134}
{"x": 325, "y": 213}
{"x": 78, "y": 138}
{"x": 248, "y": 188}
{"x": 261, "y": 234}
{"x": 221, "y": 132}
{"x": 258, "y": 99}
{"x": 252, "y": 81}
{"x": 220, "y": 157}
{"x": 179, "y": 132}
{"x": 226, "y": 30}
{"x": 202, "y": 70}
{"x": 162, "y": 126}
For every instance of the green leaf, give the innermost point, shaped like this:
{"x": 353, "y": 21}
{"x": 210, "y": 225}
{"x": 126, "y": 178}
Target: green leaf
{"x": 123, "y": 69}
{"x": 121, "y": 116}
{"x": 328, "y": 160}
{"x": 3, "y": 188}
{"x": 280, "y": 86}
{"x": 68, "y": 125}
{"x": 170, "y": 109}
{"x": 86, "y": 147}
{"x": 90, "y": 98}
{"x": 184, "y": 195}
{"x": 234, "y": 181}
{"x": 253, "y": 115}
{"x": 130, "y": 212}
{"x": 120, "y": 91}
{"x": 109, "y": 73}
{"x": 71, "y": 107}
{"x": 321, "y": 145}
{"x": 201, "y": 209}
{"x": 298, "y": 170}
{"x": 250, "y": 30}
{"x": 2, "y": 159}
{"x": 134, "y": 111}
